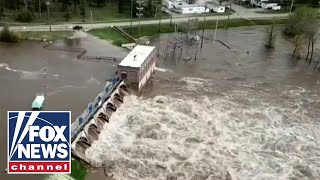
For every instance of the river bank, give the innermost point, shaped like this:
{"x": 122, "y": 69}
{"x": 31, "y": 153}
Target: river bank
{"x": 155, "y": 30}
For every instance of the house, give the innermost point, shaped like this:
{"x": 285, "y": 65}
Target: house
{"x": 257, "y": 3}
{"x": 269, "y": 4}
{"x": 170, "y": 4}
{"x": 214, "y": 7}
{"x": 191, "y": 9}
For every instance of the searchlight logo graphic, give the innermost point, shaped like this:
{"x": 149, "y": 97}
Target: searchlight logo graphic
{"x": 39, "y": 142}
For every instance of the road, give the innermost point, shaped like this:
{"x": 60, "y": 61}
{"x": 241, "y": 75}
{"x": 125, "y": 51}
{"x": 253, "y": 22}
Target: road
{"x": 249, "y": 14}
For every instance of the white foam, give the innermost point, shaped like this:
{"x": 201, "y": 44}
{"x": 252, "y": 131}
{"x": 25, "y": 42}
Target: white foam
{"x": 78, "y": 34}
{"x": 204, "y": 138}
{"x": 62, "y": 88}
{"x": 193, "y": 84}
{"x": 59, "y": 177}
{"x": 93, "y": 81}
{"x": 161, "y": 69}
{"x": 28, "y": 75}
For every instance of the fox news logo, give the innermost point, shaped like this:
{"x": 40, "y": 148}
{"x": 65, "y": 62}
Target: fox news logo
{"x": 39, "y": 142}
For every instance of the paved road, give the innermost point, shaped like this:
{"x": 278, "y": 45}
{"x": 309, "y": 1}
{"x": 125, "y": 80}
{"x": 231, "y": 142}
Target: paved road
{"x": 240, "y": 13}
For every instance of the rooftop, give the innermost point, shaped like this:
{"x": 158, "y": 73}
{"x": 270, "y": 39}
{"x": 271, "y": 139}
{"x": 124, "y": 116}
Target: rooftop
{"x": 137, "y": 56}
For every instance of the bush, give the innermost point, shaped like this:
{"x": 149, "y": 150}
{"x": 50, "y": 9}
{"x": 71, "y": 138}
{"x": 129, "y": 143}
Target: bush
{"x": 78, "y": 171}
{"x": 7, "y": 36}
{"x": 25, "y": 16}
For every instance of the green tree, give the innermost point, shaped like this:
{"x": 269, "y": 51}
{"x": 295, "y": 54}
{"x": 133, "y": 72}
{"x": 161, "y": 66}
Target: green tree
{"x": 98, "y": 3}
{"x": 65, "y": 4}
{"x": 270, "y": 37}
{"x": 25, "y": 16}
{"x": 294, "y": 25}
{"x": 67, "y": 15}
{"x": 124, "y": 7}
{"x": 311, "y": 32}
{"x": 75, "y": 3}
{"x": 83, "y": 8}
{"x": 7, "y": 36}
{"x": 304, "y": 22}
{"x": 297, "y": 41}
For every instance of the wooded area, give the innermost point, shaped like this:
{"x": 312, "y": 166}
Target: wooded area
{"x": 40, "y": 10}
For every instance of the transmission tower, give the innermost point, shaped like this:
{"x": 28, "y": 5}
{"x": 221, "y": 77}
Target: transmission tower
{"x": 139, "y": 13}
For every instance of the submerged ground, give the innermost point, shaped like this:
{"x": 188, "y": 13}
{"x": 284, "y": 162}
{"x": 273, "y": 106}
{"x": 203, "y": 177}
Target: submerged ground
{"x": 244, "y": 111}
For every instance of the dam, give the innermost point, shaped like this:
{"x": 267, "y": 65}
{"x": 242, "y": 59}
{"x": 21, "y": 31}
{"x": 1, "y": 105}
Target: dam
{"x": 132, "y": 73}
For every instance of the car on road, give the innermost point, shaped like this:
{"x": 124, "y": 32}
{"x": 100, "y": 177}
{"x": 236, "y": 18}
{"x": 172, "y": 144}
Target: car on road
{"x": 77, "y": 27}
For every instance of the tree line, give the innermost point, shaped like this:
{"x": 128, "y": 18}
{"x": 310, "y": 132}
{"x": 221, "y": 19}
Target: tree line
{"x": 303, "y": 28}
{"x": 27, "y": 10}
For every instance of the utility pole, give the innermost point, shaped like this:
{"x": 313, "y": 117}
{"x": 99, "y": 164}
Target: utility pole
{"x": 229, "y": 12}
{"x": 204, "y": 24}
{"x": 91, "y": 18}
{"x": 49, "y": 15}
{"x": 160, "y": 16}
{"x": 131, "y": 14}
{"x": 156, "y": 3}
{"x": 291, "y": 5}
{"x": 139, "y": 14}
{"x": 215, "y": 31}
{"x": 40, "y": 9}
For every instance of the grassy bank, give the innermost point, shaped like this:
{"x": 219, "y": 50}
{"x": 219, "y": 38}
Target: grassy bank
{"x": 110, "y": 35}
{"x": 78, "y": 171}
{"x": 32, "y": 35}
{"x": 152, "y": 30}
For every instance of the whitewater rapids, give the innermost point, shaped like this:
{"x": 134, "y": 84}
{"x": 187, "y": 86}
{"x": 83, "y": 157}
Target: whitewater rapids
{"x": 244, "y": 133}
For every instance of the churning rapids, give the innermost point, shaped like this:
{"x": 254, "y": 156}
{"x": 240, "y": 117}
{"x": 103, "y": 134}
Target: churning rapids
{"x": 247, "y": 133}
{"x": 235, "y": 115}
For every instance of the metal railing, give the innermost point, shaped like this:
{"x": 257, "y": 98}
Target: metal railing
{"x": 78, "y": 125}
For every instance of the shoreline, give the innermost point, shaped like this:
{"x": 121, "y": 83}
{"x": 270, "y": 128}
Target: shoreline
{"x": 151, "y": 31}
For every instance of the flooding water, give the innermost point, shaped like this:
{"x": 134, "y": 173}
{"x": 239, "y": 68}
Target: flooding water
{"x": 70, "y": 84}
{"x": 243, "y": 112}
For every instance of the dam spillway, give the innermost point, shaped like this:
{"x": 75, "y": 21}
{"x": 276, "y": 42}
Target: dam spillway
{"x": 87, "y": 127}
{"x": 133, "y": 72}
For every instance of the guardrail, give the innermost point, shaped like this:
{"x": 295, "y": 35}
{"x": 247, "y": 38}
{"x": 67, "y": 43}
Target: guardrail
{"x": 78, "y": 125}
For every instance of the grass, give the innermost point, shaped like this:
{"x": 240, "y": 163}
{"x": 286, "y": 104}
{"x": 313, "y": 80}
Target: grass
{"x": 152, "y": 30}
{"x": 248, "y": 6}
{"x": 32, "y": 35}
{"x": 111, "y": 35}
{"x": 78, "y": 171}
{"x": 283, "y": 10}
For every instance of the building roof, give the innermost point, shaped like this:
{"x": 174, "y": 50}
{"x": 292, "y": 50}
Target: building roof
{"x": 38, "y": 101}
{"x": 137, "y": 56}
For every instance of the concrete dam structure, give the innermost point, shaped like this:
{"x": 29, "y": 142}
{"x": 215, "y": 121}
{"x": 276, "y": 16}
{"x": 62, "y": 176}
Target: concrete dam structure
{"x": 133, "y": 72}
{"x": 87, "y": 131}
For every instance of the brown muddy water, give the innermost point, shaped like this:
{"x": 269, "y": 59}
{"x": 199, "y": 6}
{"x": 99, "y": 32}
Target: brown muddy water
{"x": 244, "y": 111}
{"x": 70, "y": 84}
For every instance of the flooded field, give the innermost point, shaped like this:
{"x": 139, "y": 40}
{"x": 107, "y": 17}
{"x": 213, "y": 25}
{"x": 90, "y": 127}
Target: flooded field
{"x": 242, "y": 112}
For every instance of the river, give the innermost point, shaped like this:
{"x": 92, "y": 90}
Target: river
{"x": 247, "y": 112}
{"x": 69, "y": 84}
{"x": 243, "y": 112}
